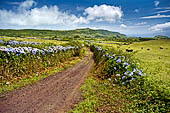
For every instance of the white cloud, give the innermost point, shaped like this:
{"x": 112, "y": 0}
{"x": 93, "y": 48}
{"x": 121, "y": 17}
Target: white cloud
{"x": 136, "y": 10}
{"x": 38, "y": 16}
{"x": 162, "y": 8}
{"x": 27, "y": 4}
{"x": 123, "y": 26}
{"x": 141, "y": 23}
{"x": 163, "y": 11}
{"x": 103, "y": 13}
{"x": 160, "y": 27}
{"x": 156, "y": 16}
{"x": 156, "y": 3}
{"x": 28, "y": 16}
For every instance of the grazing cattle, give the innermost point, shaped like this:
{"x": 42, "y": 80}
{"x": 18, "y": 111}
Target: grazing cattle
{"x": 129, "y": 50}
{"x": 161, "y": 48}
{"x": 148, "y": 49}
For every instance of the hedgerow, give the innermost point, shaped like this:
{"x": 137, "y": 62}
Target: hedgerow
{"x": 145, "y": 94}
{"x": 28, "y": 58}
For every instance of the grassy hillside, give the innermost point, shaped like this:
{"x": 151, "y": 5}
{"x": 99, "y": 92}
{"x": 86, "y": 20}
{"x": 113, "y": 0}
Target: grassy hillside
{"x": 57, "y": 33}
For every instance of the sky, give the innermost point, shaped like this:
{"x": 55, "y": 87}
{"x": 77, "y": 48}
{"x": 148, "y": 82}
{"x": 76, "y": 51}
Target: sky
{"x": 141, "y": 18}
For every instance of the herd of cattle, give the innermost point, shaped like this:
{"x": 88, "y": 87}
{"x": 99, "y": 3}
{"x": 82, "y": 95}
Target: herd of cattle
{"x": 131, "y": 50}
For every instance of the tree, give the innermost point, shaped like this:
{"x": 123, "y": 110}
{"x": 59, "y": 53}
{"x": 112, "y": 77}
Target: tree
{"x": 76, "y": 36}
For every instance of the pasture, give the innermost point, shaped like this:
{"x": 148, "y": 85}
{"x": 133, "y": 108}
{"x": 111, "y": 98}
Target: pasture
{"x": 40, "y": 40}
{"x": 155, "y": 61}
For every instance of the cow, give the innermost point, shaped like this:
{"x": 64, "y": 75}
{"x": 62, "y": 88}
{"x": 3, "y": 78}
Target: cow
{"x": 129, "y": 50}
{"x": 161, "y": 48}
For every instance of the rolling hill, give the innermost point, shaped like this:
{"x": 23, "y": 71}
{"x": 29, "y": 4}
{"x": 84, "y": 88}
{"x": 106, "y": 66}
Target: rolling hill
{"x": 59, "y": 33}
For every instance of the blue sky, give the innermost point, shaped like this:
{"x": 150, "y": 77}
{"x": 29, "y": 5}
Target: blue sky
{"x": 131, "y": 17}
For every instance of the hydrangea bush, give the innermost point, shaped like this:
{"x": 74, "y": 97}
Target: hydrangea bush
{"x": 117, "y": 68}
{"x": 25, "y": 61}
{"x": 144, "y": 93}
{"x": 14, "y": 42}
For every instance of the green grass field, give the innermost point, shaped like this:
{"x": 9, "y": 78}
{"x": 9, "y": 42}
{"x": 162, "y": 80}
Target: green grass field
{"x": 35, "y": 40}
{"x": 155, "y": 62}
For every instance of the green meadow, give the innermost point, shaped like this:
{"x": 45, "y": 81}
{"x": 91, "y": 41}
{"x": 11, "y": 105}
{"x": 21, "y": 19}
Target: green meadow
{"x": 155, "y": 61}
{"x": 40, "y": 40}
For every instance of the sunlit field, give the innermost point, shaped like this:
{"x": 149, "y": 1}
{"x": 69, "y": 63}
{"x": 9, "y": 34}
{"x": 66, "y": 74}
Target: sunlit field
{"x": 46, "y": 41}
{"x": 153, "y": 56}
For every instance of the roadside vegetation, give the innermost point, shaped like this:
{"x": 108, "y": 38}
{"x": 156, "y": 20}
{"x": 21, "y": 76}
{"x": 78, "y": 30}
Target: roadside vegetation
{"x": 131, "y": 74}
{"x": 122, "y": 89}
{"x": 23, "y": 62}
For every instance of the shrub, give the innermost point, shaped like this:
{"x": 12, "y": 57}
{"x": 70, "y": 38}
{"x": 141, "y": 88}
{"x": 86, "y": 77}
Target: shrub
{"x": 145, "y": 94}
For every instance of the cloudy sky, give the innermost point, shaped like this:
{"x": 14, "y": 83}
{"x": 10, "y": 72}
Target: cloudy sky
{"x": 131, "y": 17}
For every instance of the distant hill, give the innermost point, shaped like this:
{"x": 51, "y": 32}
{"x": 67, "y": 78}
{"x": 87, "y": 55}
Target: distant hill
{"x": 100, "y": 32}
{"x": 59, "y": 33}
{"x": 161, "y": 37}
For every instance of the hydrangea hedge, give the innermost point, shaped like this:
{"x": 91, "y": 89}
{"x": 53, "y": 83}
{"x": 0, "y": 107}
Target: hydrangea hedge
{"x": 117, "y": 68}
{"x": 145, "y": 94}
{"x": 18, "y": 61}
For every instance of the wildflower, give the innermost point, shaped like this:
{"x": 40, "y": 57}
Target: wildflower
{"x": 123, "y": 83}
{"x": 126, "y": 73}
{"x": 109, "y": 79}
{"x": 125, "y": 63}
{"x": 8, "y": 46}
{"x": 36, "y": 74}
{"x": 118, "y": 61}
{"x": 115, "y": 68}
{"x": 130, "y": 74}
{"x": 140, "y": 73}
{"x": 134, "y": 70}
{"x": 118, "y": 75}
{"x": 126, "y": 67}
{"x": 123, "y": 77}
{"x": 7, "y": 83}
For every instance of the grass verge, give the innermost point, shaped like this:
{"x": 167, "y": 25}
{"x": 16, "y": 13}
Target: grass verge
{"x": 100, "y": 96}
{"x": 103, "y": 96}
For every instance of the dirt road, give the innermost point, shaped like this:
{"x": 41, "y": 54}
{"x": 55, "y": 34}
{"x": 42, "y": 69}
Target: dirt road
{"x": 54, "y": 94}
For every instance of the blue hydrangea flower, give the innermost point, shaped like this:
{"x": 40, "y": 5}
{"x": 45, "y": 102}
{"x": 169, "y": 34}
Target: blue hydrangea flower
{"x": 126, "y": 64}
{"x": 118, "y": 61}
{"x": 123, "y": 77}
{"x": 140, "y": 73}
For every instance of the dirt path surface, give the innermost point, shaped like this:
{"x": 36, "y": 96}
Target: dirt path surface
{"x": 54, "y": 94}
